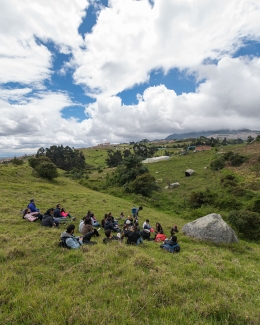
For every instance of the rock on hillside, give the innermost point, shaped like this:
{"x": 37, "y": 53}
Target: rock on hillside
{"x": 212, "y": 228}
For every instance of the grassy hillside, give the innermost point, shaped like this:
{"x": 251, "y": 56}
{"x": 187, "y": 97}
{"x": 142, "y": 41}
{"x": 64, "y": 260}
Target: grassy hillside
{"x": 204, "y": 179}
{"x": 117, "y": 284}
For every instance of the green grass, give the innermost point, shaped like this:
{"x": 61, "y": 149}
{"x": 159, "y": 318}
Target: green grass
{"x": 119, "y": 284}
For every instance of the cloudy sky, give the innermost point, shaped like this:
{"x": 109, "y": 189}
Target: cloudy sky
{"x": 84, "y": 72}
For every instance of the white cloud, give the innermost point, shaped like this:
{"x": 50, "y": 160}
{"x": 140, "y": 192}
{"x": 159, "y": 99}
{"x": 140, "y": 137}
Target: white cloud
{"x": 22, "y": 58}
{"x": 131, "y": 38}
{"x": 229, "y": 98}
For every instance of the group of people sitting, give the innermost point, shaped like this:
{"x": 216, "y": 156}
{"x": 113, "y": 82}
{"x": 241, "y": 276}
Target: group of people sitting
{"x": 51, "y": 218}
{"x": 130, "y": 230}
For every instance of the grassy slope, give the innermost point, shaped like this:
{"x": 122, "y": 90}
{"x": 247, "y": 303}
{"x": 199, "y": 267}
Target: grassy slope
{"x": 115, "y": 284}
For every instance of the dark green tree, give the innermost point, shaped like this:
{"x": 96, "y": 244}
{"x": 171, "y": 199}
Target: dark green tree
{"x": 249, "y": 139}
{"x": 126, "y": 153}
{"x": 129, "y": 169}
{"x": 40, "y": 152}
{"x": 66, "y": 158}
{"x": 143, "y": 151}
{"x": 113, "y": 158}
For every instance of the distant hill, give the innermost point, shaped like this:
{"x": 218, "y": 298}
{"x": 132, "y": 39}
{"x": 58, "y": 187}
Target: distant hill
{"x": 203, "y": 133}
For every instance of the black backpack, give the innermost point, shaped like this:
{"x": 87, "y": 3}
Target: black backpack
{"x": 62, "y": 242}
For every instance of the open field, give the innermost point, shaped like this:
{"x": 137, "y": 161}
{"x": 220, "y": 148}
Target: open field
{"x": 117, "y": 284}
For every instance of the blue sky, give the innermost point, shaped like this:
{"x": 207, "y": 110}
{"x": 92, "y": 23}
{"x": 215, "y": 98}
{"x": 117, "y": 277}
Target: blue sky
{"x": 119, "y": 71}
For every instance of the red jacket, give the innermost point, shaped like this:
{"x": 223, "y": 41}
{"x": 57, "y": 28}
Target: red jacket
{"x": 160, "y": 237}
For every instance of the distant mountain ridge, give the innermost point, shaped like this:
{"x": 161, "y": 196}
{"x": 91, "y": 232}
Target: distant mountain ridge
{"x": 180, "y": 136}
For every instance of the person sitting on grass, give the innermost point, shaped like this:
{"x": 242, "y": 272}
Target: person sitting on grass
{"x": 158, "y": 228}
{"x": 146, "y": 224}
{"x": 48, "y": 220}
{"x": 146, "y": 234}
{"x": 121, "y": 217}
{"x": 69, "y": 239}
{"x": 110, "y": 237}
{"x": 109, "y": 224}
{"x": 174, "y": 230}
{"x": 88, "y": 228}
{"x": 171, "y": 245}
{"x": 65, "y": 214}
{"x": 160, "y": 236}
{"x": 58, "y": 216}
{"x": 129, "y": 221}
{"x": 32, "y": 206}
{"x": 134, "y": 236}
{"x": 94, "y": 221}
{"x": 30, "y": 216}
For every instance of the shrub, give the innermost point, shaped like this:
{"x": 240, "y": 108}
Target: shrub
{"x": 246, "y": 222}
{"x": 228, "y": 180}
{"x": 228, "y": 202}
{"x": 34, "y": 162}
{"x": 144, "y": 185}
{"x": 237, "y": 160}
{"x": 218, "y": 163}
{"x": 47, "y": 170}
{"x": 16, "y": 161}
{"x": 197, "y": 199}
{"x": 256, "y": 206}
{"x": 239, "y": 191}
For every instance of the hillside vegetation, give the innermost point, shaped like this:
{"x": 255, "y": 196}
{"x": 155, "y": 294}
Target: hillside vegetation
{"x": 118, "y": 284}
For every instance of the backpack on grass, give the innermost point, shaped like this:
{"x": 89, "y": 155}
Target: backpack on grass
{"x": 62, "y": 243}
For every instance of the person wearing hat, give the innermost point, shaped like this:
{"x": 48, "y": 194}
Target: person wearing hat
{"x": 32, "y": 206}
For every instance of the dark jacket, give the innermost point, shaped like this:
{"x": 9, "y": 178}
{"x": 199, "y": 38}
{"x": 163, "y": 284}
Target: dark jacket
{"x": 32, "y": 207}
{"x": 109, "y": 225}
{"x": 57, "y": 214}
{"x": 47, "y": 221}
{"x": 132, "y": 236}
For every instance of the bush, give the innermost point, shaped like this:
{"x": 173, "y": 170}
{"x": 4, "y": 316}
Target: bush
{"x": 256, "y": 206}
{"x": 228, "y": 180}
{"x": 16, "y": 161}
{"x": 218, "y": 163}
{"x": 237, "y": 160}
{"x": 143, "y": 184}
{"x": 246, "y": 222}
{"x": 47, "y": 170}
{"x": 197, "y": 199}
{"x": 34, "y": 162}
{"x": 228, "y": 202}
{"x": 239, "y": 191}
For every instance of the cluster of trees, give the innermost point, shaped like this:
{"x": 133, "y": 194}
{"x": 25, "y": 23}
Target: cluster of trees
{"x": 47, "y": 160}
{"x": 65, "y": 158}
{"x": 134, "y": 176}
{"x": 114, "y": 158}
{"x": 130, "y": 172}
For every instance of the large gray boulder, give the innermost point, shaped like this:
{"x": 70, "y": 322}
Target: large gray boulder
{"x": 212, "y": 228}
